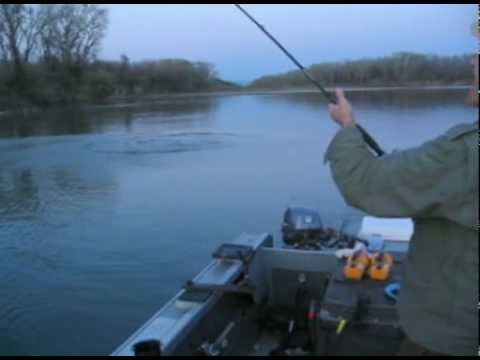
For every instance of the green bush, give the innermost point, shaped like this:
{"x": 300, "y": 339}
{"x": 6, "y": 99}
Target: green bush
{"x": 100, "y": 85}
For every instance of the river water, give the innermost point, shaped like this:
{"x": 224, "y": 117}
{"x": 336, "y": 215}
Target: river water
{"x": 105, "y": 212}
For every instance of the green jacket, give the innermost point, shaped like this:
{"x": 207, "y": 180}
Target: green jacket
{"x": 436, "y": 184}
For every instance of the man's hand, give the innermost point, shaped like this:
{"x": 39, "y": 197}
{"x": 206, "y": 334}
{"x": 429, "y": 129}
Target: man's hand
{"x": 342, "y": 111}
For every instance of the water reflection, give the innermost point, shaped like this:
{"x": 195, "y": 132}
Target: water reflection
{"x": 18, "y": 193}
{"x": 25, "y": 193}
{"x": 128, "y": 119}
{"x": 104, "y": 118}
{"x": 394, "y": 99}
{"x": 71, "y": 183}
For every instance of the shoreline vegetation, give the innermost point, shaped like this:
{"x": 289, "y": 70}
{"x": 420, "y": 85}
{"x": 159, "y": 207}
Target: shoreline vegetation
{"x": 259, "y": 91}
{"x": 49, "y": 59}
{"x": 129, "y": 100}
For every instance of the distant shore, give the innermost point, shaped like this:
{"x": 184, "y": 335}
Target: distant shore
{"x": 138, "y": 99}
{"x": 252, "y": 91}
{"x": 118, "y": 100}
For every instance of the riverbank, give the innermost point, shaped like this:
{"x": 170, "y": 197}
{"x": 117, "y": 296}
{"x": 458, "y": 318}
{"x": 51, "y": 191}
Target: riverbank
{"x": 116, "y": 101}
{"x": 259, "y": 91}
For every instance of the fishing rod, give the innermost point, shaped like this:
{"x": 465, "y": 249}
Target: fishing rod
{"x": 366, "y": 136}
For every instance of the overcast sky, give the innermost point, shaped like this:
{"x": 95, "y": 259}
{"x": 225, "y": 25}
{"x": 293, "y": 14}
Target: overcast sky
{"x": 313, "y": 33}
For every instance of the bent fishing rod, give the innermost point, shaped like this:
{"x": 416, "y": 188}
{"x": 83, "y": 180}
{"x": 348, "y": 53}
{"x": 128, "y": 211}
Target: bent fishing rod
{"x": 366, "y": 136}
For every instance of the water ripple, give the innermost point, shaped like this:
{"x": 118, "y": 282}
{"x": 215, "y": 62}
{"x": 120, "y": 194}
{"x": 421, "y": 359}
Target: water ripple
{"x": 161, "y": 144}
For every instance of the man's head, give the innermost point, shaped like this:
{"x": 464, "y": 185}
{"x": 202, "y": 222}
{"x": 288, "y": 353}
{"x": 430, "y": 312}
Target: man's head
{"x": 472, "y": 98}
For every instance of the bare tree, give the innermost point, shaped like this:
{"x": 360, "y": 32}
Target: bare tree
{"x": 20, "y": 27}
{"x": 73, "y": 32}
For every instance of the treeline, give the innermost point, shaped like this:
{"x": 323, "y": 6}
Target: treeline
{"x": 46, "y": 49}
{"x": 48, "y": 56}
{"x": 153, "y": 77}
{"x": 397, "y": 70}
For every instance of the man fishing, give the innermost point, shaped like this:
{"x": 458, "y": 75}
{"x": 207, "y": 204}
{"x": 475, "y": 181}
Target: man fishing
{"x": 437, "y": 185}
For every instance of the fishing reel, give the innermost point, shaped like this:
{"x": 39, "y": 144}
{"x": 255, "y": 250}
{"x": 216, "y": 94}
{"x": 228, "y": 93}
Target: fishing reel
{"x": 302, "y": 228}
